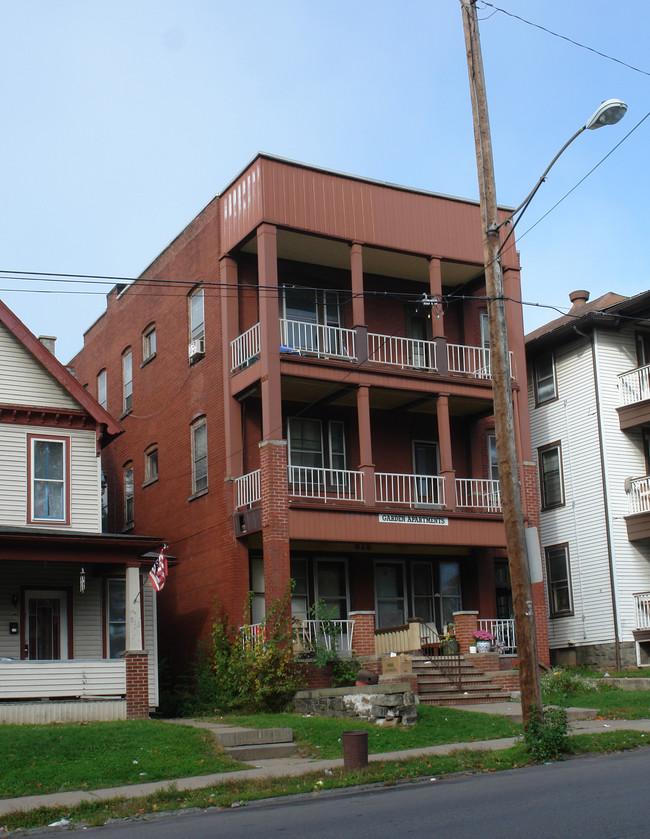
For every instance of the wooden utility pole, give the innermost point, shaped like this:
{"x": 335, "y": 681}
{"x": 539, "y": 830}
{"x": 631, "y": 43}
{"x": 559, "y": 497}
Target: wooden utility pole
{"x": 504, "y": 425}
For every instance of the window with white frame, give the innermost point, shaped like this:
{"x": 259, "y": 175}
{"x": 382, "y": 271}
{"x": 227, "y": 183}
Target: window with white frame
{"x": 308, "y": 312}
{"x": 484, "y": 324}
{"x": 116, "y": 616}
{"x": 49, "y": 467}
{"x": 129, "y": 509}
{"x": 151, "y": 464}
{"x": 544, "y": 379}
{"x": 196, "y": 315}
{"x": 127, "y": 380}
{"x": 493, "y": 463}
{"x": 149, "y": 343}
{"x": 199, "y": 455}
{"x": 558, "y": 573}
{"x": 550, "y": 476}
{"x": 307, "y": 446}
{"x": 101, "y": 388}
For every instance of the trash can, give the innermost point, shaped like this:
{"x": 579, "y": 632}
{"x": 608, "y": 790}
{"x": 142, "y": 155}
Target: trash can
{"x": 355, "y": 749}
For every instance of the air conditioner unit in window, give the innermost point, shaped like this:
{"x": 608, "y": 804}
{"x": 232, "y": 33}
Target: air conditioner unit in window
{"x": 196, "y": 350}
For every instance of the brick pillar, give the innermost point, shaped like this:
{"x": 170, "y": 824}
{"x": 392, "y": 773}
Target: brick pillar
{"x": 137, "y": 684}
{"x": 275, "y": 518}
{"x": 435, "y": 287}
{"x": 444, "y": 441}
{"x": 363, "y": 639}
{"x": 366, "y": 464}
{"x": 464, "y": 624}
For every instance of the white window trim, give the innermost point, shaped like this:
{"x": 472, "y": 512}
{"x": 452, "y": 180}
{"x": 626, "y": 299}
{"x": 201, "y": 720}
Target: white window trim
{"x": 102, "y": 392}
{"x": 128, "y": 522}
{"x": 196, "y": 425}
{"x": 127, "y": 380}
{"x": 149, "y": 338}
{"x": 196, "y": 330}
{"x": 32, "y": 518}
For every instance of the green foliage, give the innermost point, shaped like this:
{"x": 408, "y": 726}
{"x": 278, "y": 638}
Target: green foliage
{"x": 559, "y": 685}
{"x": 235, "y": 672}
{"x": 344, "y": 672}
{"x": 545, "y": 736}
{"x": 323, "y": 645}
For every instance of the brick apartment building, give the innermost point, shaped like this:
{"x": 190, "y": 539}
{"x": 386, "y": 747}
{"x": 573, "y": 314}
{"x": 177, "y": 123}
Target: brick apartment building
{"x": 303, "y": 380}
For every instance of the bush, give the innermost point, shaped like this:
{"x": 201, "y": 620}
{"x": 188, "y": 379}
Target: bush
{"x": 344, "y": 672}
{"x": 545, "y": 737}
{"x": 559, "y": 684}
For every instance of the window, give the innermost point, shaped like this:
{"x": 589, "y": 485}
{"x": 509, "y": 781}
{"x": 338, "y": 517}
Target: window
{"x": 151, "y": 465}
{"x": 493, "y": 464}
{"x": 305, "y": 443}
{"x": 308, "y": 312}
{"x": 116, "y": 616}
{"x": 127, "y": 380}
{"x": 149, "y": 343}
{"x": 101, "y": 388}
{"x": 48, "y": 478}
{"x": 544, "y": 379}
{"x": 197, "y": 323}
{"x": 559, "y": 580}
{"x": 550, "y": 476}
{"x": 199, "y": 456}
{"x": 484, "y": 324}
{"x": 128, "y": 495}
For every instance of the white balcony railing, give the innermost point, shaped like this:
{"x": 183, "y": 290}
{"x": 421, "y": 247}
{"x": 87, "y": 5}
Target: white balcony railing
{"x": 405, "y": 353}
{"x": 478, "y": 494}
{"x": 253, "y": 635}
{"x": 503, "y": 631}
{"x": 335, "y": 635}
{"x": 247, "y": 490}
{"x": 325, "y": 484}
{"x": 470, "y": 361}
{"x": 316, "y": 339}
{"x": 639, "y": 496}
{"x": 245, "y": 348}
{"x": 634, "y": 386}
{"x": 410, "y": 490}
{"x": 642, "y": 610}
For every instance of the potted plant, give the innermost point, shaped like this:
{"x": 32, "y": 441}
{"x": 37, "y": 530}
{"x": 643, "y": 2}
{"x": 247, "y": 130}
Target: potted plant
{"x": 450, "y": 645}
{"x": 484, "y": 640}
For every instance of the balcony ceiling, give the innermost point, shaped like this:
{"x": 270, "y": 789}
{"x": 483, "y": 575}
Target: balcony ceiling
{"x": 321, "y": 395}
{"x": 333, "y": 253}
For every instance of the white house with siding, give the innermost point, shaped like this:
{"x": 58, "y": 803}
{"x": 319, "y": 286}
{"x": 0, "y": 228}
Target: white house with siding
{"x": 589, "y": 398}
{"x": 76, "y": 610}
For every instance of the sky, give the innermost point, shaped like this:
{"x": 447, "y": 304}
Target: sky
{"x": 121, "y": 120}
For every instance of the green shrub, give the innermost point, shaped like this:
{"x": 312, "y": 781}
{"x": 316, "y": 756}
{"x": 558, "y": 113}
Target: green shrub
{"x": 559, "y": 684}
{"x": 545, "y": 737}
{"x": 344, "y": 672}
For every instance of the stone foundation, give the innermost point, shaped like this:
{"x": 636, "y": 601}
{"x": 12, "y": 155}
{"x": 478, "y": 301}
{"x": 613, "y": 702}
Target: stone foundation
{"x": 382, "y": 704}
{"x": 600, "y": 656}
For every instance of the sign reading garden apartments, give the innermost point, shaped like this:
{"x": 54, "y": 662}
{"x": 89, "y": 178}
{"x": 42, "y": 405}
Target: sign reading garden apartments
{"x": 399, "y": 518}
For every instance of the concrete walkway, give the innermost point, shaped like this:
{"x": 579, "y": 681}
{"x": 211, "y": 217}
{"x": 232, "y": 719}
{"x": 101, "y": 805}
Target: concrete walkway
{"x": 294, "y": 766}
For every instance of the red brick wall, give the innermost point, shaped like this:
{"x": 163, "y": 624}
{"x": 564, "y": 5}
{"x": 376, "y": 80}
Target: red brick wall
{"x": 137, "y": 685}
{"x": 364, "y": 633}
{"x": 275, "y": 519}
{"x": 464, "y": 624}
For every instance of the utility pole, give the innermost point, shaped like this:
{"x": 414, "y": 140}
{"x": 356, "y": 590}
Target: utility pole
{"x": 504, "y": 427}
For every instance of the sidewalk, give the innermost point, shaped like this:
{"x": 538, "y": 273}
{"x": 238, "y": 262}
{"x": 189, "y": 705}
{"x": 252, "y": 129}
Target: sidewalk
{"x": 293, "y": 766}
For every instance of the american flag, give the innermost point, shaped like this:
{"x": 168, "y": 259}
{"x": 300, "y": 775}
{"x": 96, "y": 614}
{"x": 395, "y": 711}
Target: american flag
{"x": 158, "y": 573}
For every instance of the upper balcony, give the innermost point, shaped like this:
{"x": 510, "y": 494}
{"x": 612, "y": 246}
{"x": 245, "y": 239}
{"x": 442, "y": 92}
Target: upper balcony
{"x": 634, "y": 397}
{"x": 357, "y": 346}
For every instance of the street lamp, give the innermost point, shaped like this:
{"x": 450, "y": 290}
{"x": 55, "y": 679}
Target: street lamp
{"x": 608, "y": 113}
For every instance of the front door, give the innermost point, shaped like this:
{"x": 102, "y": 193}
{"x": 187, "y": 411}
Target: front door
{"x": 46, "y": 637}
{"x": 390, "y": 594}
{"x": 426, "y": 462}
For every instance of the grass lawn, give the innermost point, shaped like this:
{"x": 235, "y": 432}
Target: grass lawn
{"x": 49, "y": 758}
{"x": 614, "y": 704}
{"x": 321, "y": 736}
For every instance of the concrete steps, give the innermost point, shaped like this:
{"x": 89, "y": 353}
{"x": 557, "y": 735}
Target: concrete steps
{"x": 255, "y": 743}
{"x": 436, "y": 688}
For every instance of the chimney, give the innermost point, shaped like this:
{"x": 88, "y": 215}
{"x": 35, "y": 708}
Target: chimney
{"x": 48, "y": 341}
{"x": 578, "y": 300}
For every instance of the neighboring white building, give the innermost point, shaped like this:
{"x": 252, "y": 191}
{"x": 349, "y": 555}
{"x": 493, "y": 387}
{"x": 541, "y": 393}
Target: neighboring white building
{"x": 589, "y": 395}
{"x": 78, "y": 616}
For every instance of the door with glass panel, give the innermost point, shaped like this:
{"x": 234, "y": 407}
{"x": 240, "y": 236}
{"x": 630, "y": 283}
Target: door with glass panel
{"x": 426, "y": 464}
{"x": 311, "y": 320}
{"x": 420, "y": 354}
{"x": 450, "y": 591}
{"x": 390, "y": 599}
{"x": 46, "y": 636}
{"x": 331, "y": 593}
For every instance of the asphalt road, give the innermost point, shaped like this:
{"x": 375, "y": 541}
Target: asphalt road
{"x": 600, "y": 797}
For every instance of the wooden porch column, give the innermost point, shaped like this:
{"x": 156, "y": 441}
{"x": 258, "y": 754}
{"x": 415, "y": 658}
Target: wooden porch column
{"x": 232, "y": 432}
{"x": 269, "y": 308}
{"x": 437, "y": 316}
{"x": 444, "y": 441}
{"x": 358, "y": 302}
{"x": 133, "y": 609}
{"x": 365, "y": 444}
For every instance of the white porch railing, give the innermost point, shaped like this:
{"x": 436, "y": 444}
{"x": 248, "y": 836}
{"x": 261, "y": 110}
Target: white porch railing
{"x": 405, "y": 353}
{"x": 478, "y": 494}
{"x": 410, "y": 490}
{"x": 52, "y": 679}
{"x": 335, "y": 635}
{"x": 325, "y": 484}
{"x": 470, "y": 361}
{"x": 245, "y": 348}
{"x": 247, "y": 490}
{"x": 317, "y": 339}
{"x": 634, "y": 386}
{"x": 642, "y": 610}
{"x": 639, "y": 496}
{"x": 503, "y": 631}
{"x": 253, "y": 635}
